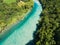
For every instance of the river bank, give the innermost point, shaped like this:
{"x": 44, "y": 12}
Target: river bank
{"x": 48, "y": 28}
{"x": 11, "y": 13}
{"x": 14, "y": 21}
{"x": 23, "y": 32}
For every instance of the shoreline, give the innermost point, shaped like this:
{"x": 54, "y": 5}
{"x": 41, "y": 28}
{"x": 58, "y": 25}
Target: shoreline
{"x": 9, "y": 27}
{"x": 25, "y": 30}
{"x": 7, "y": 21}
{"x": 6, "y": 34}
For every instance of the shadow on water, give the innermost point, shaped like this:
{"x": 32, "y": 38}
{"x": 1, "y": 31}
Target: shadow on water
{"x": 32, "y": 42}
{"x": 35, "y": 37}
{"x": 18, "y": 25}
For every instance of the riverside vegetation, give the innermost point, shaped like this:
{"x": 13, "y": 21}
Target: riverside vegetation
{"x": 12, "y": 11}
{"x": 48, "y": 28}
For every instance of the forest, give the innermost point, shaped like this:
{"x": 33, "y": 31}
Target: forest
{"x": 12, "y": 11}
{"x": 48, "y": 28}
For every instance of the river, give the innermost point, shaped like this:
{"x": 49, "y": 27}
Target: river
{"x": 24, "y": 33}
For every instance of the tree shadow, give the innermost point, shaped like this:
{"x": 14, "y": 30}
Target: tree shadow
{"x": 35, "y": 36}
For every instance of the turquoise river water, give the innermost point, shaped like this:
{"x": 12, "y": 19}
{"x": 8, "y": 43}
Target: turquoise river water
{"x": 24, "y": 32}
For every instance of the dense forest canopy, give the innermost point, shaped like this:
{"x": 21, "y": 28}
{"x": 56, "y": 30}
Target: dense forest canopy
{"x": 48, "y": 28}
{"x": 49, "y": 31}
